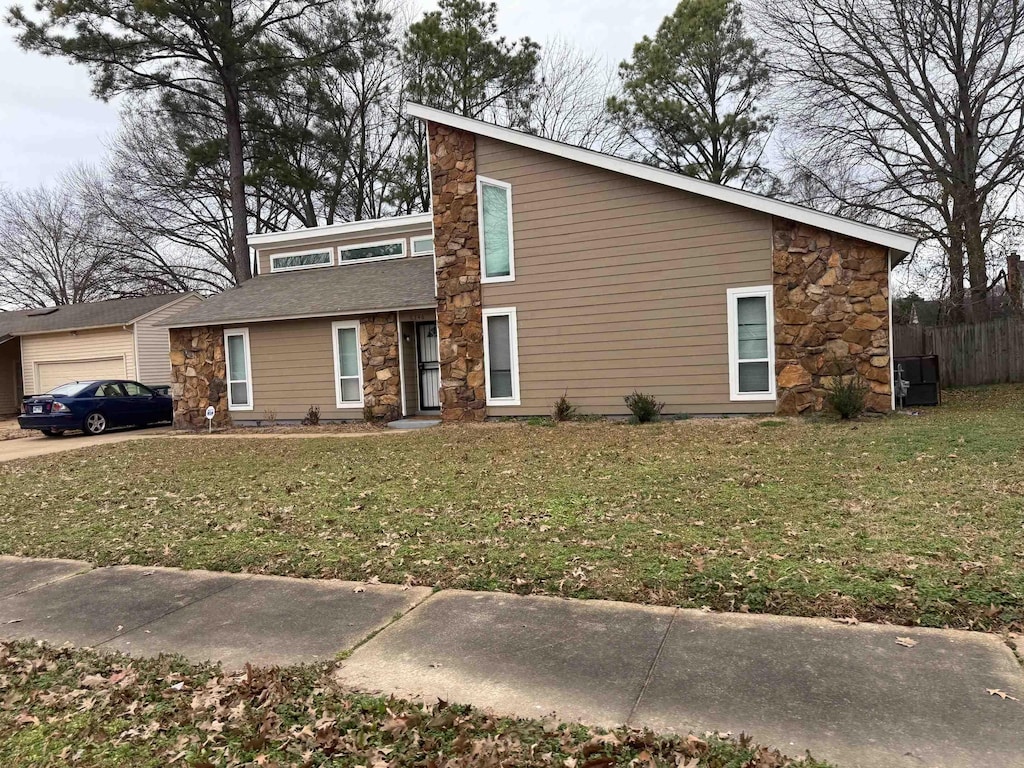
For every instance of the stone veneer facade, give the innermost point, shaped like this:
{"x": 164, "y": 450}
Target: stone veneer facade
{"x": 831, "y": 316}
{"x": 382, "y": 375}
{"x": 457, "y": 259}
{"x": 198, "y": 376}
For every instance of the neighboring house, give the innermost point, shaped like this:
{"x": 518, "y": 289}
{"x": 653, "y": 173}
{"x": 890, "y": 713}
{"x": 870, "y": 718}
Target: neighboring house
{"x": 121, "y": 338}
{"x": 542, "y": 269}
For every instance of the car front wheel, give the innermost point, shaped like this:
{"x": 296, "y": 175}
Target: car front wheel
{"x": 95, "y": 423}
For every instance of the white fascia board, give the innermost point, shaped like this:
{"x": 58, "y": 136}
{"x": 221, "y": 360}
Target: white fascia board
{"x": 338, "y": 230}
{"x": 896, "y": 241}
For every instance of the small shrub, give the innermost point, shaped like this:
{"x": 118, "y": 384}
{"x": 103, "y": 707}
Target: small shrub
{"x": 312, "y": 418}
{"x": 644, "y": 407}
{"x": 270, "y": 417}
{"x": 847, "y": 395}
{"x": 563, "y": 409}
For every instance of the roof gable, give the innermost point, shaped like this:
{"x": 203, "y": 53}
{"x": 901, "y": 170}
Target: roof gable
{"x": 898, "y": 242}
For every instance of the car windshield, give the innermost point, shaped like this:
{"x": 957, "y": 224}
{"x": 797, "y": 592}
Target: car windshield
{"x": 67, "y": 389}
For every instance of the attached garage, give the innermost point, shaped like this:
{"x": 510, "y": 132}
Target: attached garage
{"x": 53, "y": 374}
{"x": 119, "y": 339}
{"x": 51, "y": 359}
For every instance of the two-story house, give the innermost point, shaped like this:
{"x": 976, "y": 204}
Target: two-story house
{"x": 541, "y": 269}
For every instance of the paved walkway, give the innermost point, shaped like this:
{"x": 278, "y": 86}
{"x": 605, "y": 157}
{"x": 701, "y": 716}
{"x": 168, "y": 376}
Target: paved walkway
{"x": 852, "y": 695}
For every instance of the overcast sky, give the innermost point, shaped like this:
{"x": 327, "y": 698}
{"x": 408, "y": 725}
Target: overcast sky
{"x": 49, "y": 121}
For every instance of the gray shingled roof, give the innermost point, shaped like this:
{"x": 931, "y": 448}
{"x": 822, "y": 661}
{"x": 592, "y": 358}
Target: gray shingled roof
{"x": 96, "y": 314}
{"x": 348, "y": 289}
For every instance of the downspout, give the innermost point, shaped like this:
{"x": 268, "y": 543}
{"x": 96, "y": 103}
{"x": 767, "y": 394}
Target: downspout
{"x": 892, "y": 361}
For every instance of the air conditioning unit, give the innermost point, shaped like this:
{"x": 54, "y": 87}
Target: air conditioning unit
{"x": 921, "y": 375}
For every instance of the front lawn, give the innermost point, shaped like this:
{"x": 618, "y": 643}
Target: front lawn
{"x": 64, "y": 707}
{"x": 912, "y": 519}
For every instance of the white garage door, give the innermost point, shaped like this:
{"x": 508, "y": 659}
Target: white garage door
{"x": 53, "y": 374}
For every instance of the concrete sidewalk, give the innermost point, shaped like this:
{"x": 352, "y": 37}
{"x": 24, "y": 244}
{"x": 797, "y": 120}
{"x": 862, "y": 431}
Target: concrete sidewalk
{"x": 852, "y": 695}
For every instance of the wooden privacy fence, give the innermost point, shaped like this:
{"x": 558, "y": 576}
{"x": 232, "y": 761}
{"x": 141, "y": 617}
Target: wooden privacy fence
{"x": 970, "y": 354}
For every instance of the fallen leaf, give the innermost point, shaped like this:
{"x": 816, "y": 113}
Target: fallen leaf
{"x": 1001, "y": 694}
{"x": 849, "y": 620}
{"x": 906, "y": 642}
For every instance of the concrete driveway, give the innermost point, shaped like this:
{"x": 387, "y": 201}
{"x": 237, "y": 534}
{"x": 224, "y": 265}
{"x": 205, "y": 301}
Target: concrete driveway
{"x": 40, "y": 445}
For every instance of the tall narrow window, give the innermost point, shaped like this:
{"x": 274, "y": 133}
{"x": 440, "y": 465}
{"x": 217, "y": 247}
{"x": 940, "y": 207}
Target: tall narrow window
{"x": 239, "y": 369}
{"x": 498, "y": 262}
{"x": 348, "y": 365}
{"x": 751, "y": 344}
{"x": 501, "y": 356}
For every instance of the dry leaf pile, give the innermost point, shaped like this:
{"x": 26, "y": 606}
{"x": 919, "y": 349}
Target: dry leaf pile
{"x": 75, "y": 708}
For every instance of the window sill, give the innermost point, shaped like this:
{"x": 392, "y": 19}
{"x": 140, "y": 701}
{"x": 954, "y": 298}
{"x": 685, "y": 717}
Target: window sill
{"x": 502, "y": 402}
{"x": 504, "y": 279}
{"x": 760, "y": 397}
{"x": 240, "y": 407}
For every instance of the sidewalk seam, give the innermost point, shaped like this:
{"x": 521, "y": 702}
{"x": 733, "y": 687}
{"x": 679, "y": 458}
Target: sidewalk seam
{"x": 654, "y": 665}
{"x": 173, "y": 611}
{"x": 394, "y": 620}
{"x": 58, "y": 580}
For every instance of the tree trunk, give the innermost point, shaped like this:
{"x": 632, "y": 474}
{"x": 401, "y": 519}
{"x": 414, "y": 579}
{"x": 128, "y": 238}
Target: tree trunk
{"x": 967, "y": 255}
{"x": 955, "y": 257}
{"x": 236, "y": 180}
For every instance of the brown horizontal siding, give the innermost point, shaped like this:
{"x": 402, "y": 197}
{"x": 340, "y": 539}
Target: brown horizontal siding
{"x": 621, "y": 285}
{"x": 10, "y": 377}
{"x": 264, "y": 254}
{"x": 292, "y": 369}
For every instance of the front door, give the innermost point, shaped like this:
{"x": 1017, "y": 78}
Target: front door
{"x": 429, "y": 366}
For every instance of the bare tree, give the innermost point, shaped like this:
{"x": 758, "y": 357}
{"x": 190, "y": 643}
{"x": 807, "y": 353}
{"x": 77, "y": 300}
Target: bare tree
{"x": 569, "y": 105}
{"x": 148, "y": 230}
{"x": 909, "y": 113}
{"x": 54, "y": 250}
{"x": 176, "y": 212}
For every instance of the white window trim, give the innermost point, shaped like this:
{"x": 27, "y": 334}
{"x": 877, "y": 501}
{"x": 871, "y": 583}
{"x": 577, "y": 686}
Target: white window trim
{"x": 358, "y": 246}
{"x": 244, "y": 333}
{"x": 732, "y": 295}
{"x": 328, "y": 250}
{"x": 335, "y": 327}
{"x": 480, "y": 181}
{"x": 513, "y": 339}
{"x": 414, "y": 240}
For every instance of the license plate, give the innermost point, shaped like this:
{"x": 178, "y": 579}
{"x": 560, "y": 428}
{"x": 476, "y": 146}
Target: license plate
{"x": 37, "y": 409}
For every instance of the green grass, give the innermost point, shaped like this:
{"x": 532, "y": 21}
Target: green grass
{"x": 911, "y": 519}
{"x": 61, "y": 707}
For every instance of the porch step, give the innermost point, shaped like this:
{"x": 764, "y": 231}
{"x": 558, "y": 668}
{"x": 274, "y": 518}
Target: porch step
{"x": 413, "y": 423}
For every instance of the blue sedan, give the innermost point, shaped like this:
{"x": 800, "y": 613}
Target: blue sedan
{"x": 94, "y": 407}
